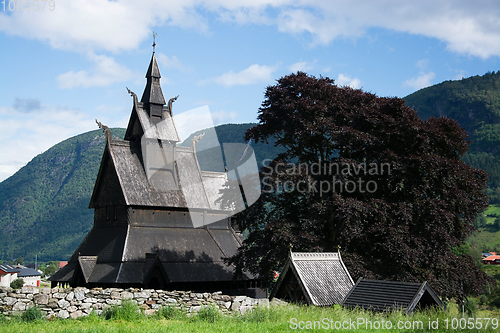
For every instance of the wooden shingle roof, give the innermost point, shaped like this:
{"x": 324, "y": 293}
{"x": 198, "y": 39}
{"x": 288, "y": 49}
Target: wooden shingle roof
{"x": 117, "y": 254}
{"x": 322, "y": 278}
{"x": 196, "y": 189}
{"x": 380, "y": 295}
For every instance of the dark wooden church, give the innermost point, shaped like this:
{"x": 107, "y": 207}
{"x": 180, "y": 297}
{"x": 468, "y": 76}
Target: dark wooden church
{"x": 157, "y": 223}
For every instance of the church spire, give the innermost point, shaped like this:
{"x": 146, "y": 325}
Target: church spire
{"x": 153, "y": 96}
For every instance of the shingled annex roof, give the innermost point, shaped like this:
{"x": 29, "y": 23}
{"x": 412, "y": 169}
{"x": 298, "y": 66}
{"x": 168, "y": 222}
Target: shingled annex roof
{"x": 314, "y": 278}
{"x": 391, "y": 295}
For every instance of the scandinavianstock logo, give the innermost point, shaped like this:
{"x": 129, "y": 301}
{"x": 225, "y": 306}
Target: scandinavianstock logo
{"x": 335, "y": 177}
{"x": 171, "y": 166}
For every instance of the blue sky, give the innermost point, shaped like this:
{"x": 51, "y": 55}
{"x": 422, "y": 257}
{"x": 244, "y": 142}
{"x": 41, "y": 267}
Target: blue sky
{"x": 60, "y": 69}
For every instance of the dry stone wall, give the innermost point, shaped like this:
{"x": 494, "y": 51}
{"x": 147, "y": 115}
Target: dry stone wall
{"x": 77, "y": 302}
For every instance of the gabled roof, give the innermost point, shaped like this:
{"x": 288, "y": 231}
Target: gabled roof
{"x": 9, "y": 268}
{"x": 28, "y": 272}
{"x": 148, "y": 169}
{"x": 87, "y": 264}
{"x": 197, "y": 189}
{"x": 141, "y": 123}
{"x": 391, "y": 295}
{"x": 322, "y": 278}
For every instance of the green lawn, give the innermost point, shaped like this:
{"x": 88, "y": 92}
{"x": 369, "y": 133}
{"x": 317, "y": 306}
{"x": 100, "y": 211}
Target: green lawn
{"x": 492, "y": 209}
{"x": 275, "y": 319}
{"x": 487, "y": 239}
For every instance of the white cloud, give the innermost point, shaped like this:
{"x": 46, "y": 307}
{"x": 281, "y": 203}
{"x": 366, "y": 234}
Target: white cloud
{"x": 421, "y": 81}
{"x": 422, "y": 64}
{"x": 302, "y": 66}
{"x": 172, "y": 62}
{"x": 106, "y": 71}
{"x": 460, "y": 75}
{"x": 253, "y": 74}
{"x": 193, "y": 120}
{"x": 91, "y": 25}
{"x": 344, "y": 80}
{"x": 23, "y": 136}
{"x": 222, "y": 116}
{"x": 323, "y": 29}
{"x": 465, "y": 26}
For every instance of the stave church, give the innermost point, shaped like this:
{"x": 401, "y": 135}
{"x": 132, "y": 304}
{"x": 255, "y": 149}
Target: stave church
{"x": 157, "y": 221}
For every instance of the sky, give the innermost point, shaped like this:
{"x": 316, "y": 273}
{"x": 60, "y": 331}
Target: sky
{"x": 65, "y": 63}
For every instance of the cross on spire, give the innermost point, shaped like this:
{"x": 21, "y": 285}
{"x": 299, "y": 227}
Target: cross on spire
{"x": 154, "y": 43}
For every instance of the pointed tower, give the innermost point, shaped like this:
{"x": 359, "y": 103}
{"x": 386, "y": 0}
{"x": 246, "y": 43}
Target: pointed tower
{"x": 152, "y": 98}
{"x": 157, "y": 221}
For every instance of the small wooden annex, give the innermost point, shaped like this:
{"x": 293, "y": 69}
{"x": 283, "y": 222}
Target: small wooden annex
{"x": 380, "y": 295}
{"x": 319, "y": 279}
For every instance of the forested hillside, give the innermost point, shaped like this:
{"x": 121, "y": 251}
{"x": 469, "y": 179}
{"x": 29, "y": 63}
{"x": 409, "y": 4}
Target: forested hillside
{"x": 44, "y": 206}
{"x": 475, "y": 103}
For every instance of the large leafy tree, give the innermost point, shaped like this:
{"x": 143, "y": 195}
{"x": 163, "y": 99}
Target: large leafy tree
{"x": 364, "y": 173}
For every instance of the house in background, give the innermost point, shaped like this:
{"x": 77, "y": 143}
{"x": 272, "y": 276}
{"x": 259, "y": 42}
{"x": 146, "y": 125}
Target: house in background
{"x": 30, "y": 276}
{"x": 492, "y": 260}
{"x": 487, "y": 254}
{"x": 8, "y": 273}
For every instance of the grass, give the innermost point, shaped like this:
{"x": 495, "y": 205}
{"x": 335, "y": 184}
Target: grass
{"x": 169, "y": 312}
{"x": 274, "y": 319}
{"x": 32, "y": 313}
{"x": 209, "y": 314}
{"x": 487, "y": 238}
{"x": 128, "y": 311}
{"x": 493, "y": 210}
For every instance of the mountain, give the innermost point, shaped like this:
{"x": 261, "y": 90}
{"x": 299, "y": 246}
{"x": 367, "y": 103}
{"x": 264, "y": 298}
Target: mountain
{"x": 474, "y": 103}
{"x": 44, "y": 206}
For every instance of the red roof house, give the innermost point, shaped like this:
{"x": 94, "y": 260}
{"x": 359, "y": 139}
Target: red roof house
{"x": 492, "y": 260}
{"x": 8, "y": 273}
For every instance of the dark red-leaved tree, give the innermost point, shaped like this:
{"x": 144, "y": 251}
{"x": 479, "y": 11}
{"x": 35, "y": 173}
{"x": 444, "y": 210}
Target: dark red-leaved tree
{"x": 364, "y": 173}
